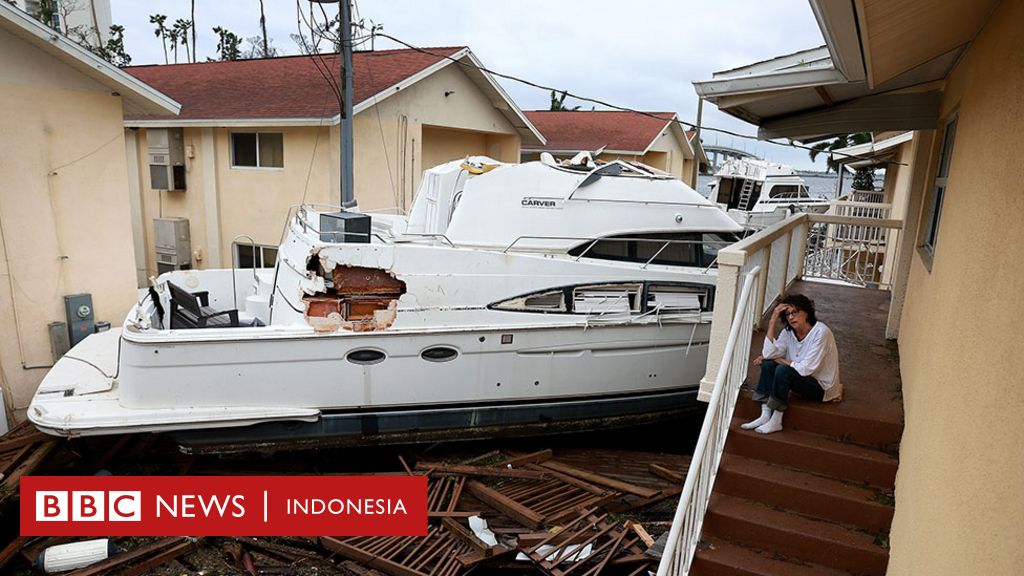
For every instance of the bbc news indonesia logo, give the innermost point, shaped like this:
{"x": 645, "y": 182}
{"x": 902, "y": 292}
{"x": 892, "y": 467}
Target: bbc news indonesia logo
{"x": 223, "y": 506}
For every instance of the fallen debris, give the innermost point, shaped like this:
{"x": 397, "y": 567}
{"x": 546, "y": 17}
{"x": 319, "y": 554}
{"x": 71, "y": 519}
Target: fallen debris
{"x": 540, "y": 512}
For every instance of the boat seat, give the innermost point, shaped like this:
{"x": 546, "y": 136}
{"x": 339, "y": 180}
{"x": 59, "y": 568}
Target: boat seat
{"x": 192, "y": 310}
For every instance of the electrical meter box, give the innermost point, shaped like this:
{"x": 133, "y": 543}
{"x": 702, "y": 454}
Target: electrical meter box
{"x": 81, "y": 321}
{"x": 351, "y": 227}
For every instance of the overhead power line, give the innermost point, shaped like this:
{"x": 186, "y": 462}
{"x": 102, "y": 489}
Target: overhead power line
{"x": 604, "y": 103}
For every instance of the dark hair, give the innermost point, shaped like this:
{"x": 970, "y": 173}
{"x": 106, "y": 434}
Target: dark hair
{"x": 800, "y": 302}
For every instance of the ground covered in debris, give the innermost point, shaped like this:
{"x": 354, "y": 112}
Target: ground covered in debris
{"x": 585, "y": 503}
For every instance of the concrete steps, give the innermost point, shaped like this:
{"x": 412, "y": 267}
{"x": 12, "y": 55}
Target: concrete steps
{"x": 808, "y": 500}
{"x": 803, "y": 492}
{"x": 815, "y": 453}
{"x": 723, "y": 558}
{"x": 754, "y": 525}
{"x": 825, "y": 419}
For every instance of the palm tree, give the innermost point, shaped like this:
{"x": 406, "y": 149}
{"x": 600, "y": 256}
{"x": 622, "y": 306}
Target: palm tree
{"x": 842, "y": 141}
{"x": 161, "y": 31}
{"x": 182, "y": 26}
{"x": 558, "y": 102}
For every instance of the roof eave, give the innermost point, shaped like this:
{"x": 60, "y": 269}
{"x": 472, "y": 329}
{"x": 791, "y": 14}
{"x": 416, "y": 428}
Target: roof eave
{"x": 134, "y": 92}
{"x": 711, "y": 90}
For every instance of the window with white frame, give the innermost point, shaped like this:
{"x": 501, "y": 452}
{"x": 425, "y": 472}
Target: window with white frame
{"x": 254, "y": 256}
{"x": 931, "y": 231}
{"x": 257, "y": 149}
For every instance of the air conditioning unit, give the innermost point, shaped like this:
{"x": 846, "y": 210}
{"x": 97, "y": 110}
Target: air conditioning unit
{"x": 173, "y": 244}
{"x": 166, "y": 154}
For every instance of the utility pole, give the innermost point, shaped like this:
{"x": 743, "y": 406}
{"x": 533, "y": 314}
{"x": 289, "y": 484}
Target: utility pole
{"x": 348, "y": 198}
{"x": 696, "y": 140}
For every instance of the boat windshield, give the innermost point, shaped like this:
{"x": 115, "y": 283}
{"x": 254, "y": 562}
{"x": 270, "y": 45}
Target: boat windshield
{"x": 699, "y": 249}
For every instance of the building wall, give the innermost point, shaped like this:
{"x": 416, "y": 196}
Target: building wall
{"x": 959, "y": 505}
{"x": 395, "y": 141}
{"x": 392, "y": 149}
{"x": 65, "y": 181}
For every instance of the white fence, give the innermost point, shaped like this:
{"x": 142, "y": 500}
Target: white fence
{"x": 848, "y": 249}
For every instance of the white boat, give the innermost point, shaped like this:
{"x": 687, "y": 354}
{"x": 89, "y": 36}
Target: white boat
{"x": 515, "y": 297}
{"x": 757, "y": 193}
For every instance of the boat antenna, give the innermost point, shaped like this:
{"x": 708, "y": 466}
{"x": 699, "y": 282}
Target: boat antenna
{"x": 345, "y": 73}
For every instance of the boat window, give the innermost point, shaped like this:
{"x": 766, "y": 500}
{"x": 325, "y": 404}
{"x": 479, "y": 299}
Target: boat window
{"x": 668, "y": 299}
{"x": 803, "y": 192}
{"x": 365, "y": 357}
{"x": 713, "y": 242}
{"x": 784, "y": 191}
{"x": 546, "y": 302}
{"x": 620, "y": 298}
{"x": 671, "y": 249}
{"x": 439, "y": 354}
{"x": 606, "y": 299}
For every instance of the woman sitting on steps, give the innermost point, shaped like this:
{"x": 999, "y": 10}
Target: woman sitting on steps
{"x": 799, "y": 354}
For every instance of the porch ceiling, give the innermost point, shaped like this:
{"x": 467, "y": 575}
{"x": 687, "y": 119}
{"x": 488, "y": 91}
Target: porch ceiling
{"x": 881, "y": 69}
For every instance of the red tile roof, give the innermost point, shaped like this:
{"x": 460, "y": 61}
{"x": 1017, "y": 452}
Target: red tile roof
{"x": 589, "y": 130}
{"x": 288, "y": 87}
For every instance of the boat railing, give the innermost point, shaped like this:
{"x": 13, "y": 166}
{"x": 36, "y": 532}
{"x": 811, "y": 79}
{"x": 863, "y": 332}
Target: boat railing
{"x": 299, "y": 214}
{"x": 684, "y": 534}
{"x": 592, "y": 241}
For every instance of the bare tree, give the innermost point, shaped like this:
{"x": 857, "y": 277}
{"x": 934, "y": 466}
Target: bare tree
{"x": 195, "y": 47}
{"x": 263, "y": 27}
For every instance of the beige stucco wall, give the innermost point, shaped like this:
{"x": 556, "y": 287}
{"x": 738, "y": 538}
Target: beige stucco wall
{"x": 960, "y": 486}
{"x": 416, "y": 128}
{"x": 64, "y": 175}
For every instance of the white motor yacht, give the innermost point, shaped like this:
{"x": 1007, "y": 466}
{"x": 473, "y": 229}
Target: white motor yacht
{"x": 515, "y": 297}
{"x": 758, "y": 193}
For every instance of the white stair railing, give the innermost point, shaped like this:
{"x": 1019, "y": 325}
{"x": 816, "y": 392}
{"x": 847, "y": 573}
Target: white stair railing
{"x": 700, "y": 478}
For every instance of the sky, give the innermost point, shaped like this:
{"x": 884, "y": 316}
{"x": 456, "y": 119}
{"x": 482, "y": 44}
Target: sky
{"x": 641, "y": 54}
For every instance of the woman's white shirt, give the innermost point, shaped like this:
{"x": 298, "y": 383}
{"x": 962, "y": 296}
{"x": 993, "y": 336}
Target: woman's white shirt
{"x": 816, "y": 356}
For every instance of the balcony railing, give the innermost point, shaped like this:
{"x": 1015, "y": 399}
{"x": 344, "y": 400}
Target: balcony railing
{"x": 848, "y": 249}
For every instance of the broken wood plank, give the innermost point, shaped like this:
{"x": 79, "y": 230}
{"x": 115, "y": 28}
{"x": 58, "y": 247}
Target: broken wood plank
{"x": 371, "y": 560}
{"x": 159, "y": 559}
{"x": 7, "y": 444}
{"x": 460, "y": 470}
{"x": 505, "y": 505}
{"x": 641, "y": 532}
{"x": 467, "y": 536}
{"x": 485, "y": 456}
{"x": 453, "y": 514}
{"x": 9, "y": 487}
{"x": 596, "y": 490}
{"x": 670, "y": 475}
{"x": 531, "y": 458}
{"x": 119, "y": 560}
{"x": 11, "y": 550}
{"x": 599, "y": 479}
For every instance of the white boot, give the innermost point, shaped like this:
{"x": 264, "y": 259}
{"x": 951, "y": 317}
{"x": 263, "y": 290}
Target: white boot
{"x": 766, "y": 414}
{"x": 774, "y": 424}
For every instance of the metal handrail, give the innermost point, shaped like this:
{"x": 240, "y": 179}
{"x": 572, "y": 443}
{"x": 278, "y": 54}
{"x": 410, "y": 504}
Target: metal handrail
{"x": 255, "y": 279}
{"x": 684, "y": 535}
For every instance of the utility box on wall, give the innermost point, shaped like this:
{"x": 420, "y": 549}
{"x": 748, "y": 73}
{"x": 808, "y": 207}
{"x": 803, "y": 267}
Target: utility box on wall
{"x": 173, "y": 244}
{"x": 79, "y": 313}
{"x": 166, "y": 156}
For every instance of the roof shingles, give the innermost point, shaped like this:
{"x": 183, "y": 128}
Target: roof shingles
{"x": 578, "y": 130}
{"x": 292, "y": 87}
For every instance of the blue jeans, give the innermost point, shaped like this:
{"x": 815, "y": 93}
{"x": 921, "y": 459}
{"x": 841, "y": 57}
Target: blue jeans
{"x": 776, "y": 382}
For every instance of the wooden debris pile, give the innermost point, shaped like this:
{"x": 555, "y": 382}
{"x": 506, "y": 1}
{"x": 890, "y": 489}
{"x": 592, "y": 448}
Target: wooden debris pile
{"x": 571, "y": 514}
